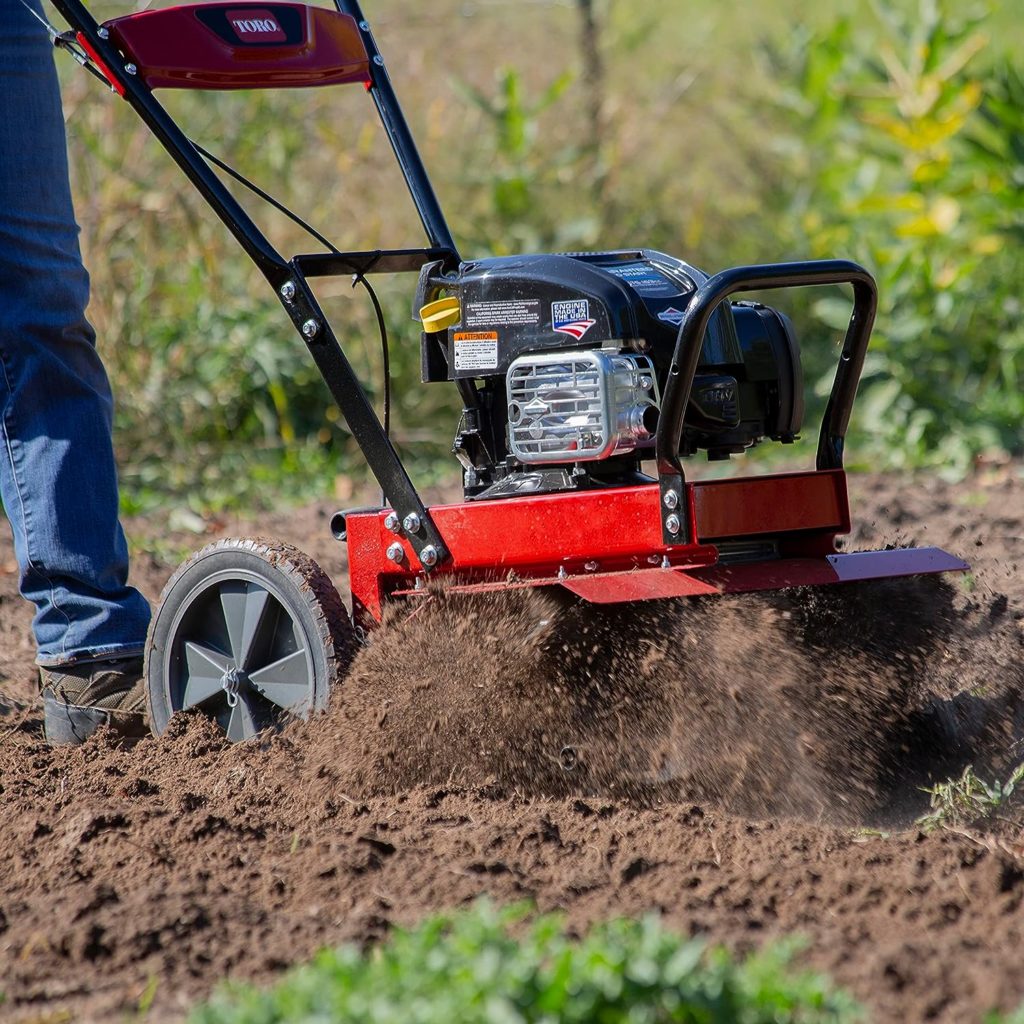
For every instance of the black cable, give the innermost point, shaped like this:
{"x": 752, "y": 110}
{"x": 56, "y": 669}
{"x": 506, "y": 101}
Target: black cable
{"x": 67, "y": 42}
{"x": 357, "y": 278}
{"x": 385, "y": 354}
{"x": 266, "y": 197}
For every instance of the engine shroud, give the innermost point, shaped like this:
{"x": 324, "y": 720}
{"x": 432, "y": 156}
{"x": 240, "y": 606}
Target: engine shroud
{"x": 519, "y": 316}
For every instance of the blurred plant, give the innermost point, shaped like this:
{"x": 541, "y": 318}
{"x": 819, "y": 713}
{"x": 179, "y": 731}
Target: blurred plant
{"x": 905, "y": 153}
{"x": 488, "y": 964}
{"x": 518, "y": 180}
{"x": 1015, "y": 1017}
{"x": 968, "y": 799}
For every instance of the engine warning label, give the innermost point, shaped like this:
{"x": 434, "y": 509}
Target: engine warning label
{"x": 506, "y": 313}
{"x": 476, "y": 350}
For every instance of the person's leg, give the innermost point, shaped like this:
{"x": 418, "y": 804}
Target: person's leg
{"x": 57, "y": 476}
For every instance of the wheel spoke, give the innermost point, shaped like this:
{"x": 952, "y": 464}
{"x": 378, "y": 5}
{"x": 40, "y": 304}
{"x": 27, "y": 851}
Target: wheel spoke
{"x": 241, "y": 723}
{"x": 206, "y": 668}
{"x": 286, "y": 682}
{"x": 244, "y": 605}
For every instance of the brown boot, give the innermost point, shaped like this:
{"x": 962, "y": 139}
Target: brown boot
{"x": 78, "y": 699}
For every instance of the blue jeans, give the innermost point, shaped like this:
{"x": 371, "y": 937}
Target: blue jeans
{"x": 57, "y": 476}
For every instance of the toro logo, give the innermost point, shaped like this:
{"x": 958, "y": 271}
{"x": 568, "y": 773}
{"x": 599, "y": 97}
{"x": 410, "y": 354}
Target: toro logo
{"x": 256, "y": 25}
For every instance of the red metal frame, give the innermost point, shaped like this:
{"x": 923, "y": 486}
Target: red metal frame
{"x": 606, "y": 545}
{"x": 224, "y": 45}
{"x": 537, "y": 538}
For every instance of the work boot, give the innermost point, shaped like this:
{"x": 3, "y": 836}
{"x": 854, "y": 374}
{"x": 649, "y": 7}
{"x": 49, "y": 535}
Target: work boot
{"x": 78, "y": 699}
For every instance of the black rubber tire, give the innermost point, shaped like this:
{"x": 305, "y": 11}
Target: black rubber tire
{"x": 294, "y": 603}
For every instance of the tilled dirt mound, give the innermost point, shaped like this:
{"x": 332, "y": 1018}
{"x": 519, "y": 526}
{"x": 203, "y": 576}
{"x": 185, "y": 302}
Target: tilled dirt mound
{"x": 744, "y": 766}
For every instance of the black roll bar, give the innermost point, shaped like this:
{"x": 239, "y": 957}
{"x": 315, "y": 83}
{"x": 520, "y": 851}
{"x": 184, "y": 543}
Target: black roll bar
{"x": 690, "y": 339}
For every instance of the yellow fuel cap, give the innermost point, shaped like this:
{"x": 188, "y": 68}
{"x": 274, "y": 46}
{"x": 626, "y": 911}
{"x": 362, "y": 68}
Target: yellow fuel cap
{"x": 440, "y": 314}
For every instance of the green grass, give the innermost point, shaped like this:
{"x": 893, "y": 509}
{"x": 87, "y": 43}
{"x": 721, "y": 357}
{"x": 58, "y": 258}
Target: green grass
{"x": 487, "y": 964}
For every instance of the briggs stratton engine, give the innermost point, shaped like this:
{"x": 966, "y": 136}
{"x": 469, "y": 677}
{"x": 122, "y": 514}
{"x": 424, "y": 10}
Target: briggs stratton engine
{"x": 561, "y": 361}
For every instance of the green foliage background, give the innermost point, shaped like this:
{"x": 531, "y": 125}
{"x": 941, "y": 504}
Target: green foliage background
{"x": 892, "y": 133}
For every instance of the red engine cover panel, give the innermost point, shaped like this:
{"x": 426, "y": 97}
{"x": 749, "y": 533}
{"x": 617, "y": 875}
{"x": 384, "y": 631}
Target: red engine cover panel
{"x": 242, "y": 46}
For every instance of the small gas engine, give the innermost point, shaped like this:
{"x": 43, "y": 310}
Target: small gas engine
{"x": 561, "y": 361}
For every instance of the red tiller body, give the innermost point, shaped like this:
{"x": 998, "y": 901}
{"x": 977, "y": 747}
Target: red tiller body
{"x": 606, "y": 545}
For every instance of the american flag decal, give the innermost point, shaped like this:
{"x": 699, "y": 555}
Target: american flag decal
{"x": 571, "y": 317}
{"x": 577, "y": 328}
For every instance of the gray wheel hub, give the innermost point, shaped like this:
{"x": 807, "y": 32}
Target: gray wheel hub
{"x": 239, "y": 654}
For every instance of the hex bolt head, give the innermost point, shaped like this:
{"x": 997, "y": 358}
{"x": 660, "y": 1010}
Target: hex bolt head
{"x": 671, "y": 499}
{"x": 411, "y": 523}
{"x": 672, "y": 524}
{"x": 396, "y": 552}
{"x": 428, "y": 556}
{"x": 288, "y": 291}
{"x": 379, "y": 61}
{"x": 130, "y": 69}
{"x": 590, "y": 566}
{"x": 310, "y": 329}
{"x": 102, "y": 33}
{"x": 391, "y": 522}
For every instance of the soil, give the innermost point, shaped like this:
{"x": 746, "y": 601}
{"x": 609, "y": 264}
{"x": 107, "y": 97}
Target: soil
{"x": 749, "y": 768}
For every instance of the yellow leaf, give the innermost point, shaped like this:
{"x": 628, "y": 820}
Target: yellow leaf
{"x": 943, "y": 215}
{"x": 987, "y": 245}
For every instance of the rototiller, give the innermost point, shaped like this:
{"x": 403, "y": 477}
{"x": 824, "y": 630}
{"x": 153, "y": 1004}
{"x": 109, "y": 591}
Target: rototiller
{"x": 573, "y": 369}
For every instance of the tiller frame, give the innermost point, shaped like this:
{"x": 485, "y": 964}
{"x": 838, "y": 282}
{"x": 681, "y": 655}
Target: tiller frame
{"x": 669, "y": 538}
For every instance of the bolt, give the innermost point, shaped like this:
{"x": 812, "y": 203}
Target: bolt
{"x": 365, "y": 26}
{"x": 288, "y": 291}
{"x": 130, "y": 69}
{"x": 671, "y": 499}
{"x": 379, "y": 61}
{"x": 391, "y": 522}
{"x": 396, "y": 552}
{"x": 590, "y": 566}
{"x": 310, "y": 329}
{"x": 653, "y": 559}
{"x": 102, "y": 33}
{"x": 420, "y": 584}
{"x": 411, "y": 523}
{"x": 665, "y": 563}
{"x": 231, "y": 681}
{"x": 562, "y": 574}
{"x": 428, "y": 556}
{"x": 672, "y": 523}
